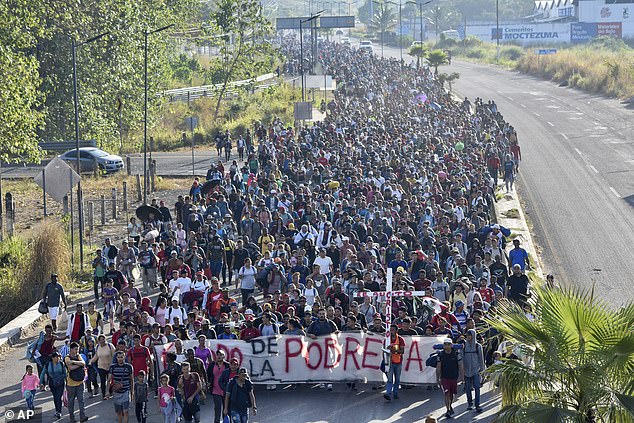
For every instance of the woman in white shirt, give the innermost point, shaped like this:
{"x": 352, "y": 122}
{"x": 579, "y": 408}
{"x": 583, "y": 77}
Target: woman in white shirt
{"x": 246, "y": 280}
{"x": 310, "y": 292}
{"x": 181, "y": 236}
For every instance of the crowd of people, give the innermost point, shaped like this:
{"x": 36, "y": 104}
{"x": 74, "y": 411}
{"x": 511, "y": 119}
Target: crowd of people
{"x": 397, "y": 176}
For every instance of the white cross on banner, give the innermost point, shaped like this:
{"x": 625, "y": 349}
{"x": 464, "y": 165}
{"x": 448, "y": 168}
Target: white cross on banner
{"x": 389, "y": 294}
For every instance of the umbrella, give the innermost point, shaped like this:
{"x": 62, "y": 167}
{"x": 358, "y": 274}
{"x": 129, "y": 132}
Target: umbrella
{"x": 208, "y": 187}
{"x": 145, "y": 211}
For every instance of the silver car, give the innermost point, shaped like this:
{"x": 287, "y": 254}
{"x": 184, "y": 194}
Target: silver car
{"x": 91, "y": 156}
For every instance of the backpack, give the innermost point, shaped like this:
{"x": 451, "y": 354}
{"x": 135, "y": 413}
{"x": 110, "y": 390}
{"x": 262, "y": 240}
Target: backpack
{"x": 78, "y": 374}
{"x": 56, "y": 380}
{"x": 432, "y": 360}
{"x": 33, "y": 347}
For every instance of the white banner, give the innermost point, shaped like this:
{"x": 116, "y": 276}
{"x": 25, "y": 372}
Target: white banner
{"x": 345, "y": 357}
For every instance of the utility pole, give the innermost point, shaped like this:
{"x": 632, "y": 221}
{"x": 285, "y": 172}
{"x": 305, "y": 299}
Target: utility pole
{"x": 146, "y": 34}
{"x": 497, "y": 31}
{"x": 80, "y": 217}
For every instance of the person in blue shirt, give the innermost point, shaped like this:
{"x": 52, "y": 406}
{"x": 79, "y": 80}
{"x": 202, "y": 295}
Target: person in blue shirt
{"x": 518, "y": 255}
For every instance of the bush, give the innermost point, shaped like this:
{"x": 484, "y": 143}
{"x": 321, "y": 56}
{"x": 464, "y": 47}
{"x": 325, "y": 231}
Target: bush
{"x": 26, "y": 264}
{"x": 512, "y": 52}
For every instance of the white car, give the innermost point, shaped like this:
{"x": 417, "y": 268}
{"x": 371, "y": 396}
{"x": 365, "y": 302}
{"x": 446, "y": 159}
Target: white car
{"x": 91, "y": 156}
{"x": 345, "y": 41}
{"x": 366, "y": 45}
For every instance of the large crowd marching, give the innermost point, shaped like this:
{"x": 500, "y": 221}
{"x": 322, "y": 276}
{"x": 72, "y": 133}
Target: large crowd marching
{"x": 398, "y": 176}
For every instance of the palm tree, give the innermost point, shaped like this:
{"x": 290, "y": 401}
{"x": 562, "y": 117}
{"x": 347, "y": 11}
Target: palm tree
{"x": 418, "y": 51}
{"x": 451, "y": 78}
{"x": 383, "y": 21}
{"x": 436, "y": 58}
{"x": 577, "y": 360}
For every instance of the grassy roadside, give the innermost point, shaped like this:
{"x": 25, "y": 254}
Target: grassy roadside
{"x": 604, "y": 66}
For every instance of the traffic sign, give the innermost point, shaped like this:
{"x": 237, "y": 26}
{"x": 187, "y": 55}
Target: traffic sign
{"x": 545, "y": 51}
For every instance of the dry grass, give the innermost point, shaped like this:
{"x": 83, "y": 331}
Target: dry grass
{"x": 26, "y": 264}
{"x": 592, "y": 69}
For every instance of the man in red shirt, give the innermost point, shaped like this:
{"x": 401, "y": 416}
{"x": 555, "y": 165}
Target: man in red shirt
{"x": 487, "y": 293}
{"x": 450, "y": 318}
{"x": 493, "y": 164}
{"x": 140, "y": 357}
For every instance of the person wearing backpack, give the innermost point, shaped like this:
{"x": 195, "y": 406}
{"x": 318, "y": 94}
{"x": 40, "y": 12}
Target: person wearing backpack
{"x": 75, "y": 382}
{"x": 473, "y": 368}
{"x": 239, "y": 398}
{"x": 54, "y": 375}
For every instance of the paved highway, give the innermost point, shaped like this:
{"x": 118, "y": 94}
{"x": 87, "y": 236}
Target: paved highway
{"x": 306, "y": 404}
{"x": 576, "y": 178}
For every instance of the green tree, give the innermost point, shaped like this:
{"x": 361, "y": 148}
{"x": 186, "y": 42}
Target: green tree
{"x": 19, "y": 96}
{"x": 245, "y": 50}
{"x": 419, "y": 51}
{"x": 577, "y": 360}
{"x": 436, "y": 58}
{"x": 384, "y": 20}
{"x": 109, "y": 69}
{"x": 451, "y": 78}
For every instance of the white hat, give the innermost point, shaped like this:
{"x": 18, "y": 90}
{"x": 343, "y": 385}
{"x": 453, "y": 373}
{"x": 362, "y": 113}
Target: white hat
{"x": 249, "y": 312}
{"x": 447, "y": 341}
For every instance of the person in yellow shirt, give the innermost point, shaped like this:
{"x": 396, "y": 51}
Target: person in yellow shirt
{"x": 75, "y": 382}
{"x": 264, "y": 240}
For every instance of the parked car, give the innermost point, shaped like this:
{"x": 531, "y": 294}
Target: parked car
{"x": 91, "y": 156}
{"x": 345, "y": 40}
{"x": 366, "y": 45}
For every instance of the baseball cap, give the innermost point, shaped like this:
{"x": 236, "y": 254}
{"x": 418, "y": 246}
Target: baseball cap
{"x": 242, "y": 370}
{"x": 447, "y": 341}
{"x": 249, "y": 312}
{"x": 459, "y": 303}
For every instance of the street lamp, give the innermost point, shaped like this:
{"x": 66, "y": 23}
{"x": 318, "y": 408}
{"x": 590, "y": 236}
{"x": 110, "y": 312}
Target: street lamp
{"x": 420, "y": 7}
{"x": 146, "y": 34}
{"x": 301, "y": 47}
{"x": 74, "y": 46}
{"x": 400, "y": 25}
{"x": 497, "y": 31}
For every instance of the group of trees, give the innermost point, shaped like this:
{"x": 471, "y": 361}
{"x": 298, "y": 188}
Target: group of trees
{"x": 36, "y": 63}
{"x": 439, "y": 16}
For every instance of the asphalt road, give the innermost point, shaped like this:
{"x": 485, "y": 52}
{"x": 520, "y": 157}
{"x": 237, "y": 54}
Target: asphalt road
{"x": 177, "y": 163}
{"x": 576, "y": 178}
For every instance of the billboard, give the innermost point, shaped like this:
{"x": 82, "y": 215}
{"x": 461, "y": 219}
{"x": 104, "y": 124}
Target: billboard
{"x": 291, "y": 23}
{"x": 525, "y": 34}
{"x": 581, "y": 32}
{"x": 336, "y": 22}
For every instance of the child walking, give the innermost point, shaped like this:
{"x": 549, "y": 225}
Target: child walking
{"x": 30, "y": 383}
{"x": 167, "y": 400}
{"x": 140, "y": 397}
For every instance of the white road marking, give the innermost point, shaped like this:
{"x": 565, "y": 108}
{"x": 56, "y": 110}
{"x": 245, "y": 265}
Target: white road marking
{"x": 536, "y": 114}
{"x": 552, "y": 107}
{"x": 565, "y": 136}
{"x": 578, "y": 151}
{"x": 523, "y": 105}
{"x": 615, "y": 192}
{"x": 575, "y": 118}
{"x": 550, "y": 123}
{"x": 509, "y": 98}
{"x": 594, "y": 169}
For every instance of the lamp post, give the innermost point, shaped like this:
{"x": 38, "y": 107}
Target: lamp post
{"x": 400, "y": 25}
{"x": 420, "y": 5}
{"x": 497, "y": 31}
{"x": 301, "y": 47}
{"x": 146, "y": 34}
{"x": 74, "y": 46}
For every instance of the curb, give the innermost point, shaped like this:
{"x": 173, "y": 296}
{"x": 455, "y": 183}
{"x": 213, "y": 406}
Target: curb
{"x": 516, "y": 222}
{"x": 12, "y": 332}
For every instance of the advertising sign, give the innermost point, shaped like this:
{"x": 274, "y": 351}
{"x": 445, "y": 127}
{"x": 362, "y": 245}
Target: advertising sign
{"x": 581, "y": 32}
